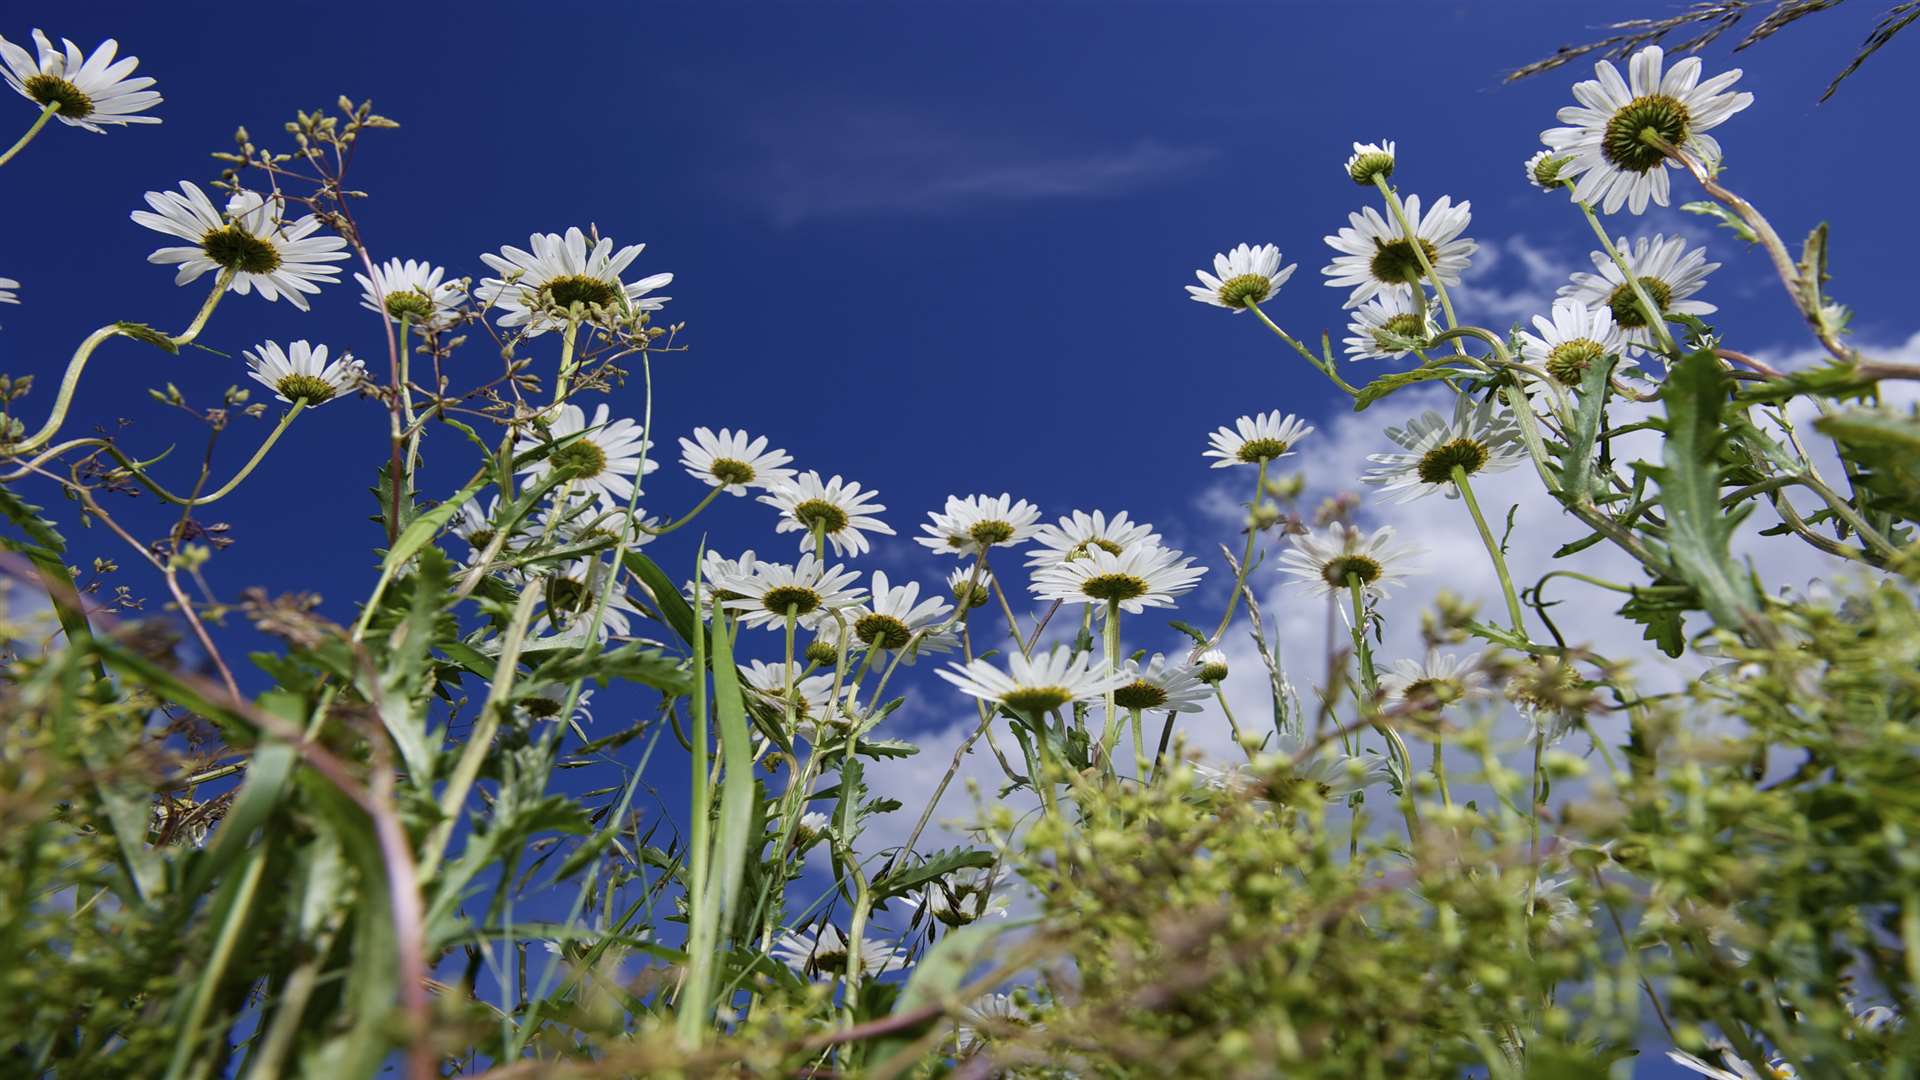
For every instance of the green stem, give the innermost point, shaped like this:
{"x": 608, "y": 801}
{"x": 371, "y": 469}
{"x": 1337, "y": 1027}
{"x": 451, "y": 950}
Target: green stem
{"x": 1656, "y": 319}
{"x": 689, "y": 516}
{"x": 1013, "y": 624}
{"x": 1246, "y": 557}
{"x": 39, "y": 122}
{"x": 1111, "y": 736}
{"x": 1324, "y": 368}
{"x": 1413, "y": 241}
{"x": 1493, "y": 550}
{"x": 226, "y": 489}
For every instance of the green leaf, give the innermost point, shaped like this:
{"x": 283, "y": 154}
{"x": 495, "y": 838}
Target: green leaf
{"x": 666, "y": 595}
{"x": 1886, "y": 445}
{"x": 422, "y": 529}
{"x": 1387, "y": 384}
{"x": 268, "y": 773}
{"x": 937, "y": 978}
{"x": 399, "y": 693}
{"x": 1724, "y": 216}
{"x": 1698, "y": 530}
{"x": 1577, "y": 478}
{"x": 1662, "y": 613}
{"x": 905, "y": 879}
{"x": 630, "y": 663}
{"x": 38, "y": 529}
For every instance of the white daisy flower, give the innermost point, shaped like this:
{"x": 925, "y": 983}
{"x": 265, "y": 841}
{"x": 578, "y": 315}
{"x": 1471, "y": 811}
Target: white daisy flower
{"x": 1547, "y": 170}
{"x": 301, "y": 372}
{"x": 537, "y": 289}
{"x": 90, "y": 90}
{"x": 1257, "y": 439}
{"x": 252, "y": 239}
{"x": 1162, "y": 686}
{"x": 1603, "y": 140}
{"x": 838, "y": 507}
{"x": 968, "y": 589}
{"x": 1442, "y": 679}
{"x": 896, "y": 615}
{"x": 730, "y": 460}
{"x": 825, "y": 954}
{"x": 549, "y": 700}
{"x": 1477, "y": 439}
{"x": 812, "y": 694}
{"x": 1370, "y": 160}
{"x": 1667, "y": 269}
{"x": 1136, "y": 579}
{"x": 1570, "y": 342}
{"x": 972, "y": 525}
{"x": 602, "y": 462}
{"x": 990, "y": 1015}
{"x": 413, "y": 288}
{"x": 7, "y": 293}
{"x": 1037, "y": 685}
{"x": 475, "y": 525}
{"x": 1390, "y": 326}
{"x": 1211, "y": 667}
{"x": 716, "y": 568}
{"x": 809, "y": 588}
{"x": 811, "y": 827}
{"x": 1081, "y": 532}
{"x": 1330, "y": 772}
{"x": 1241, "y": 277}
{"x": 1376, "y": 256}
{"x": 1323, "y": 559}
{"x": 965, "y": 897}
{"x": 582, "y": 518}
{"x": 1735, "y": 1068}
{"x": 572, "y": 593}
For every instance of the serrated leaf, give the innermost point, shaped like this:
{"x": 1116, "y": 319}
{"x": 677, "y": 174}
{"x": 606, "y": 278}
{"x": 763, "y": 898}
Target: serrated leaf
{"x": 1698, "y": 530}
{"x": 1662, "y": 614}
{"x": 1724, "y": 216}
{"x": 1387, "y": 384}
{"x": 1886, "y": 445}
{"x": 905, "y": 879}
{"x": 27, "y": 517}
{"x": 1577, "y": 477}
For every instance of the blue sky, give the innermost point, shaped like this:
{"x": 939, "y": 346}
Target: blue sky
{"x": 937, "y": 248}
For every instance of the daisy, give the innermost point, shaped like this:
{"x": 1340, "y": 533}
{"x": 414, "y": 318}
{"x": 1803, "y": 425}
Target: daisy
{"x": 1570, "y": 342}
{"x": 1476, "y": 440}
{"x": 1332, "y": 773}
{"x": 1134, "y": 580}
{"x": 89, "y": 90}
{"x": 1081, "y": 532}
{"x": 252, "y": 239}
{"x": 301, "y": 372}
{"x": 413, "y": 289}
{"x": 7, "y": 294}
{"x": 893, "y": 618}
{"x": 970, "y": 589}
{"x": 1735, "y": 1069}
{"x": 538, "y": 288}
{"x": 811, "y": 827}
{"x": 1211, "y": 667}
{"x": 1376, "y": 256}
{"x": 731, "y": 462}
{"x": 715, "y": 568}
{"x": 809, "y": 589}
{"x": 989, "y": 1016}
{"x": 1161, "y": 686}
{"x": 602, "y": 462}
{"x": 826, "y": 953}
{"x": 972, "y": 525}
{"x": 1667, "y": 269}
{"x": 812, "y": 695}
{"x": 1324, "y": 559}
{"x": 1442, "y": 679}
{"x": 1390, "y": 326}
{"x": 474, "y": 525}
{"x": 1256, "y": 439}
{"x": 1604, "y": 144}
{"x": 573, "y": 593}
{"x": 965, "y": 897}
{"x": 1546, "y": 170}
{"x": 838, "y": 508}
{"x": 1370, "y": 160}
{"x": 582, "y": 519}
{"x": 1037, "y": 685}
{"x": 1241, "y": 278}
{"x": 548, "y": 701}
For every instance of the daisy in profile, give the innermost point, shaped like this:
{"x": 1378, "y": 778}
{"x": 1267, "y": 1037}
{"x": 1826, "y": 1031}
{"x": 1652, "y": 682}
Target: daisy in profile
{"x": 811, "y": 828}
{"x": 1241, "y": 278}
{"x": 414, "y": 290}
{"x": 1134, "y": 580}
{"x": 961, "y": 898}
{"x": 1572, "y": 340}
{"x": 896, "y": 617}
{"x": 1370, "y": 160}
{"x": 1603, "y": 139}
{"x": 1390, "y": 326}
{"x": 475, "y": 525}
{"x": 1038, "y": 685}
{"x": 603, "y": 458}
{"x": 300, "y": 372}
{"x": 1732, "y": 1067}
{"x": 1324, "y": 560}
{"x": 810, "y": 694}
{"x": 1669, "y": 271}
{"x": 1476, "y": 440}
{"x": 825, "y": 954}
{"x": 85, "y": 91}
{"x": 1162, "y": 686}
{"x": 1442, "y": 679}
{"x": 716, "y": 568}
{"x": 1080, "y": 532}
{"x": 733, "y": 462}
{"x": 1546, "y": 170}
{"x": 971, "y": 525}
{"x": 970, "y": 589}
{"x": 539, "y": 289}
{"x": 7, "y": 293}
{"x": 992, "y": 1016}
{"x": 252, "y": 239}
{"x": 838, "y": 509}
{"x": 1256, "y": 439}
{"x": 1376, "y": 256}
{"x": 573, "y": 593}
{"x": 1210, "y": 667}
{"x": 807, "y": 590}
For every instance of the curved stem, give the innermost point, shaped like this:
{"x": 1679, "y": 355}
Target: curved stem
{"x": 39, "y": 122}
{"x": 689, "y": 516}
{"x": 1246, "y": 558}
{"x": 1493, "y": 550}
{"x": 1656, "y": 319}
{"x": 226, "y": 489}
{"x": 1325, "y": 368}
{"x": 199, "y": 322}
{"x": 1013, "y": 624}
{"x": 1413, "y": 241}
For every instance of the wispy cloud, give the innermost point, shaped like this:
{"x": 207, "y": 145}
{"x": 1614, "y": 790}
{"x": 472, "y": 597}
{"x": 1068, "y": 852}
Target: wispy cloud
{"x": 841, "y": 161}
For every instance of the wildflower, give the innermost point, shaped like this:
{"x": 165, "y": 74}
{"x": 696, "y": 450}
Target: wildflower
{"x": 539, "y": 289}
{"x": 252, "y": 240}
{"x": 989, "y": 1015}
{"x": 301, "y": 372}
{"x": 1736, "y": 1068}
{"x": 413, "y": 289}
{"x": 841, "y": 512}
{"x": 1442, "y": 679}
{"x": 730, "y": 461}
{"x": 1605, "y": 141}
{"x": 716, "y": 568}
{"x": 970, "y": 589}
{"x": 1037, "y": 685}
{"x": 573, "y": 594}
{"x": 811, "y": 695}
{"x": 546, "y": 703}
{"x": 1376, "y": 255}
{"x": 1323, "y": 560}
{"x": 1257, "y": 439}
{"x": 892, "y": 620}
{"x": 1666, "y": 268}
{"x": 1370, "y": 160}
{"x": 826, "y": 953}
{"x": 602, "y": 461}
{"x": 1138, "y": 578}
{"x": 966, "y": 897}
{"x": 1211, "y": 668}
{"x": 1572, "y": 341}
{"x": 971, "y": 525}
{"x": 1080, "y": 532}
{"x": 1162, "y": 686}
{"x": 1389, "y": 326}
{"x": 7, "y": 294}
{"x": 1475, "y": 439}
{"x": 1241, "y": 278}
{"x": 1547, "y": 170}
{"x": 811, "y": 828}
{"x": 89, "y": 90}
{"x": 807, "y": 591}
